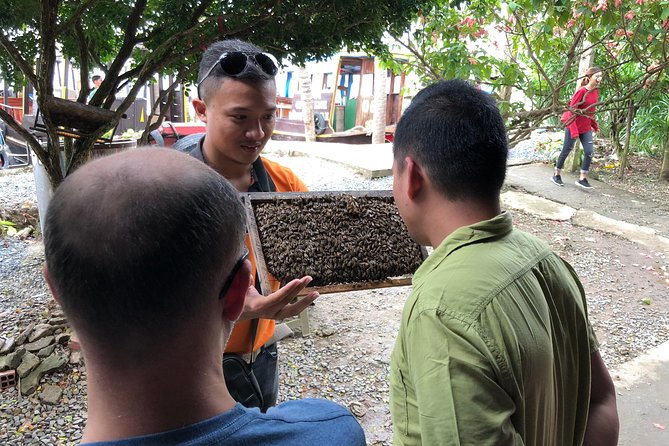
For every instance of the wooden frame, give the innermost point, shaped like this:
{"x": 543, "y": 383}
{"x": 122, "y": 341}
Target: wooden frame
{"x": 261, "y": 265}
{"x": 250, "y": 199}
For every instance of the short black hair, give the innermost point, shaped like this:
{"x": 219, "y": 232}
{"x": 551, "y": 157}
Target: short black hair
{"x": 132, "y": 255}
{"x": 207, "y": 87}
{"x": 457, "y": 134}
{"x": 96, "y": 78}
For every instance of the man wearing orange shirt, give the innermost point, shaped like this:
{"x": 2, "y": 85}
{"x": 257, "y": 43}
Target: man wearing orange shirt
{"x": 237, "y": 102}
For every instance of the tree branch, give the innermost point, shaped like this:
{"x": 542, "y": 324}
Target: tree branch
{"x": 13, "y": 52}
{"x": 84, "y": 66}
{"x": 531, "y": 53}
{"x": 418, "y": 56}
{"x": 76, "y": 16}
{"x": 22, "y": 131}
{"x": 124, "y": 53}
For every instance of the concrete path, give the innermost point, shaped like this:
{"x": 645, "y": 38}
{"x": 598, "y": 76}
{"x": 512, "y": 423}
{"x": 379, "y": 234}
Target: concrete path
{"x": 604, "y": 200}
{"x": 642, "y": 384}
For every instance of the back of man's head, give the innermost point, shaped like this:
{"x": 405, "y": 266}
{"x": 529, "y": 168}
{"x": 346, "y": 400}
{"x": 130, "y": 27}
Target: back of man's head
{"x": 136, "y": 242}
{"x": 456, "y": 133}
{"x": 211, "y": 75}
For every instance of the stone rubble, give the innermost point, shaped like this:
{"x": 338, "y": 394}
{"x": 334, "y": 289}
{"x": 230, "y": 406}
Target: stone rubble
{"x": 32, "y": 354}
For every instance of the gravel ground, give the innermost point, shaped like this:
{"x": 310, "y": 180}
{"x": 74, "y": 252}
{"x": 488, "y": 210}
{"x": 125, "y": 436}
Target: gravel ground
{"x": 347, "y": 355}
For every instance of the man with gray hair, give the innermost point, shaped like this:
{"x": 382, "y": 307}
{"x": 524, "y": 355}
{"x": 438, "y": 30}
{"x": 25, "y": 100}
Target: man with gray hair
{"x": 145, "y": 253}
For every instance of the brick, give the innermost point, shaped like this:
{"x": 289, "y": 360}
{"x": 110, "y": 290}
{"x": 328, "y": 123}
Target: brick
{"x": 7, "y": 379}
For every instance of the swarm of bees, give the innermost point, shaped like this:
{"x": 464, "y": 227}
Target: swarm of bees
{"x": 336, "y": 239}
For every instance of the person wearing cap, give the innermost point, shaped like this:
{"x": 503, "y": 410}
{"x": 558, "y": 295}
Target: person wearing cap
{"x": 237, "y": 102}
{"x": 97, "y": 81}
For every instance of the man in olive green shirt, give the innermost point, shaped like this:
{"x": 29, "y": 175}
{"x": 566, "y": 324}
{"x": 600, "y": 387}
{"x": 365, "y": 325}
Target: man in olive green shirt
{"x": 495, "y": 347}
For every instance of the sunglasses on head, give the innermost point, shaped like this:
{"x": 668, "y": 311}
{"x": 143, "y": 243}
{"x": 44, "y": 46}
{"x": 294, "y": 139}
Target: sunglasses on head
{"x": 236, "y": 63}
{"x": 235, "y": 269}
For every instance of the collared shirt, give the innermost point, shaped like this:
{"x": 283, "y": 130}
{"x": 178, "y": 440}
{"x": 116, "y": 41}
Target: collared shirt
{"x": 494, "y": 345}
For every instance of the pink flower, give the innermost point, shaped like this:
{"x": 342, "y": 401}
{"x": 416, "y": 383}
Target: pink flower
{"x": 601, "y": 4}
{"x": 639, "y": 2}
{"x": 472, "y": 61}
{"x": 630, "y": 14}
{"x": 620, "y": 32}
{"x": 570, "y": 23}
{"x": 650, "y": 37}
{"x": 618, "y": 2}
{"x": 468, "y": 21}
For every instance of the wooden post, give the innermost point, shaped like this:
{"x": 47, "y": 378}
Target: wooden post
{"x": 308, "y": 105}
{"x": 379, "y": 104}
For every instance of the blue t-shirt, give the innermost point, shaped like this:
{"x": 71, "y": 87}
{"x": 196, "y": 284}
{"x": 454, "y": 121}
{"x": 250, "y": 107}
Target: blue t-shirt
{"x": 309, "y": 421}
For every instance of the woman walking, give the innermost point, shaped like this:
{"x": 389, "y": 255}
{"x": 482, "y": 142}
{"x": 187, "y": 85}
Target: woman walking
{"x": 580, "y": 125}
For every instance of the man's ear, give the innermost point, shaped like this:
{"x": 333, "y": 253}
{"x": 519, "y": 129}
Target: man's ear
{"x": 200, "y": 109}
{"x": 45, "y": 273}
{"x": 414, "y": 176}
{"x": 233, "y": 301}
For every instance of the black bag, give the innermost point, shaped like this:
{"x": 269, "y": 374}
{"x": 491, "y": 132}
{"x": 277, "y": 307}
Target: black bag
{"x": 241, "y": 382}
{"x": 239, "y": 378}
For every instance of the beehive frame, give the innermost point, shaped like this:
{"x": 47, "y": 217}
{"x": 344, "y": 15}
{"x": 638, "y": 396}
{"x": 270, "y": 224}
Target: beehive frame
{"x": 252, "y": 199}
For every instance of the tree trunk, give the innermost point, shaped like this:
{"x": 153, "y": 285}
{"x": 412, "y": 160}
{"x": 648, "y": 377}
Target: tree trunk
{"x": 618, "y": 119}
{"x": 308, "y": 105}
{"x": 75, "y": 115}
{"x": 664, "y": 170}
{"x": 162, "y": 103}
{"x": 623, "y": 159}
{"x": 379, "y": 104}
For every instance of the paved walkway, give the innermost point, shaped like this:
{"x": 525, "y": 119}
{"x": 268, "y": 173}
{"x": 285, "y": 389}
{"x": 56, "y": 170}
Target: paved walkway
{"x": 643, "y": 383}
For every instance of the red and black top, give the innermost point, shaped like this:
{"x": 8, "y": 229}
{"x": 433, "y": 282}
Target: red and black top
{"x": 583, "y": 99}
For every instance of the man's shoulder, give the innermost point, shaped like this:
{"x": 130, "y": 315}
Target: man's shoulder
{"x": 188, "y": 143}
{"x": 475, "y": 272}
{"x": 273, "y": 166}
{"x": 284, "y": 178}
{"x": 309, "y": 409}
{"x": 307, "y": 421}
